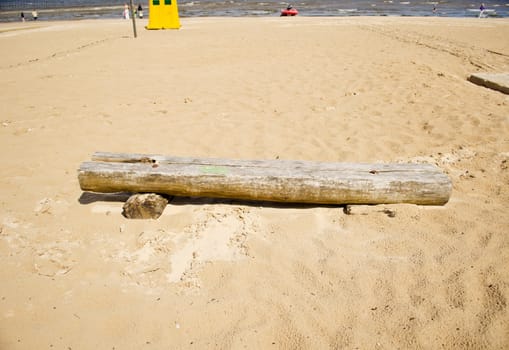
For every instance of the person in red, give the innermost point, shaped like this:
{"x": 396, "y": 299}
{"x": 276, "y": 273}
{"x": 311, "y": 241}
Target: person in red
{"x": 289, "y": 11}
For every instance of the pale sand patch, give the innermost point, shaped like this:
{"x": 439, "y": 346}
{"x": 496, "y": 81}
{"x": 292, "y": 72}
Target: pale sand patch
{"x": 230, "y": 274}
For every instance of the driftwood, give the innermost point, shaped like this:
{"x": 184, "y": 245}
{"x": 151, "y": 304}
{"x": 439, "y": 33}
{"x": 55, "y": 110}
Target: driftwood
{"x": 267, "y": 180}
{"x": 494, "y": 81}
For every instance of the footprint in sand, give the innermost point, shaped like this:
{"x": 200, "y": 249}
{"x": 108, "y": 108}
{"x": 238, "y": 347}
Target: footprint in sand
{"x": 161, "y": 257}
{"x": 218, "y": 235}
{"x": 148, "y": 263}
{"x": 50, "y": 206}
{"x": 53, "y": 260}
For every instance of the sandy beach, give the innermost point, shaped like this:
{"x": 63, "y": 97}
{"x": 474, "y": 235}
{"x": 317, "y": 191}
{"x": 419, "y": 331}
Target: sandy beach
{"x": 231, "y": 274}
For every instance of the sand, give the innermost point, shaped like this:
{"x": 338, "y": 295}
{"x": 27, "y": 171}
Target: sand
{"x": 229, "y": 274}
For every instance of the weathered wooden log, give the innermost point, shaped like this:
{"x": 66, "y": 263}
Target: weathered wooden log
{"x": 267, "y": 180}
{"x": 494, "y": 81}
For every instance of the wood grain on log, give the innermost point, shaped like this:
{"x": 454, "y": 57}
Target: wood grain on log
{"x": 267, "y": 180}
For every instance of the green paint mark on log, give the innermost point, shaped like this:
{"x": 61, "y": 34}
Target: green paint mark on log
{"x": 214, "y": 170}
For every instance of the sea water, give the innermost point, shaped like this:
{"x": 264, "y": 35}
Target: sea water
{"x": 85, "y": 9}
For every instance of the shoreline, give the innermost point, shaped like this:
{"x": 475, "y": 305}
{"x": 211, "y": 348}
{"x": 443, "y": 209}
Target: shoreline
{"x": 247, "y": 9}
{"x": 296, "y": 18}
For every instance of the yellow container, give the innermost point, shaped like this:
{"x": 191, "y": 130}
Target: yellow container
{"x": 163, "y": 14}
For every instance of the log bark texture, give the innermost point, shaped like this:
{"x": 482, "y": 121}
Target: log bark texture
{"x": 267, "y": 180}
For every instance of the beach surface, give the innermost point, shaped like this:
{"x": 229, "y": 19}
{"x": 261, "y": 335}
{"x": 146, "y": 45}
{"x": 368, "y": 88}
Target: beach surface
{"x": 231, "y": 274}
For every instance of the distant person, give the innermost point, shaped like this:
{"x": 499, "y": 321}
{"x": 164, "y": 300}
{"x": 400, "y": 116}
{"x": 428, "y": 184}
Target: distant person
{"x": 140, "y": 11}
{"x": 434, "y": 9}
{"x": 22, "y": 16}
{"x": 34, "y": 15}
{"x": 289, "y": 7}
{"x": 481, "y": 9}
{"x": 126, "y": 11}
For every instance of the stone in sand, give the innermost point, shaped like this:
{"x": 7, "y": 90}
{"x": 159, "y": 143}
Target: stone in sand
{"x": 144, "y": 206}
